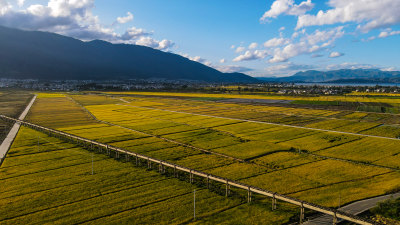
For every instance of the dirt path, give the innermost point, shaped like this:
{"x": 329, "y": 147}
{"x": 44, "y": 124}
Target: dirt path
{"x": 5, "y": 146}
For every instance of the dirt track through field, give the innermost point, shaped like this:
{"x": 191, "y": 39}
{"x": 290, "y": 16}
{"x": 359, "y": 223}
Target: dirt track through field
{"x": 275, "y": 124}
{"x": 5, "y": 146}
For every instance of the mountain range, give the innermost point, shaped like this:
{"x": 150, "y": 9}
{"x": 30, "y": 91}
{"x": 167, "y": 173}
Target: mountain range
{"x": 49, "y": 56}
{"x": 341, "y": 76}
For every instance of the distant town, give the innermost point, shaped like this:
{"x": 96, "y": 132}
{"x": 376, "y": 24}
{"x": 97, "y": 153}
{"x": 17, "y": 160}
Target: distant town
{"x": 179, "y": 85}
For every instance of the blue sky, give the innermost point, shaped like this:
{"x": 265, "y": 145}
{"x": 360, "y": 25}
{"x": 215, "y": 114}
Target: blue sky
{"x": 258, "y": 37}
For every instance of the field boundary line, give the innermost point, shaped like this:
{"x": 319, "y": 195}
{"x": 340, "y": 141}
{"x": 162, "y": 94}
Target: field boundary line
{"x": 261, "y": 122}
{"x": 90, "y": 144}
{"x": 159, "y": 137}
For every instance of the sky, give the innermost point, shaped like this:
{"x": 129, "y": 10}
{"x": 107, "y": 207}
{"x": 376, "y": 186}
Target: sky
{"x": 262, "y": 38}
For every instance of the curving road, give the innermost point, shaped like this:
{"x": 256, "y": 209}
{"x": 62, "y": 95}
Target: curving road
{"x": 355, "y": 208}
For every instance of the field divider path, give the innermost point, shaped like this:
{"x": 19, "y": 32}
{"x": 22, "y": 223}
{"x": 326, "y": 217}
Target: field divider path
{"x": 261, "y": 122}
{"x": 226, "y": 156}
{"x": 350, "y": 161}
{"x": 7, "y": 142}
{"x": 159, "y": 137}
{"x": 90, "y": 144}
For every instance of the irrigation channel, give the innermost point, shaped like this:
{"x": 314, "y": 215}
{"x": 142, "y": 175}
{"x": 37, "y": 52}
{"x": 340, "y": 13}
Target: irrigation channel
{"x": 163, "y": 165}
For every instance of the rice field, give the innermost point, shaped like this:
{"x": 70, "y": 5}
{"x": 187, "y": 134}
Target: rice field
{"x": 178, "y": 137}
{"x": 312, "y": 165}
{"x": 56, "y": 186}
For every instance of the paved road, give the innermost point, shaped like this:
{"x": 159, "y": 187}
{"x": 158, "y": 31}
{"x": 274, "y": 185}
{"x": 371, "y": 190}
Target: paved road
{"x": 276, "y": 124}
{"x": 5, "y": 146}
{"x": 354, "y": 208}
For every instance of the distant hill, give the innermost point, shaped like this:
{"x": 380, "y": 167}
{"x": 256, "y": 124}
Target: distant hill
{"x": 341, "y": 76}
{"x": 49, "y": 56}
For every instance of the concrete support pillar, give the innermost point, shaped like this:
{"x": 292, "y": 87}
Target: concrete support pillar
{"x": 191, "y": 177}
{"x": 127, "y": 157}
{"x": 208, "y": 182}
{"x": 226, "y": 189}
{"x": 175, "y": 171}
{"x": 335, "y": 220}
{"x": 301, "y": 213}
{"x": 137, "y": 160}
{"x": 148, "y": 164}
{"x": 248, "y": 195}
{"x": 160, "y": 168}
{"x": 273, "y": 202}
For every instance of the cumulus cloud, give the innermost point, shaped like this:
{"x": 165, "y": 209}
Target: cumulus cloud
{"x": 286, "y": 69}
{"x": 75, "y": 19}
{"x": 232, "y": 69}
{"x": 251, "y": 55}
{"x": 197, "y": 59}
{"x": 126, "y": 19}
{"x": 309, "y": 43}
{"x": 4, "y": 7}
{"x": 20, "y": 3}
{"x": 240, "y": 49}
{"x": 349, "y": 65}
{"x": 388, "y": 33}
{"x": 368, "y": 14}
{"x": 389, "y": 69}
{"x": 253, "y": 45}
{"x": 335, "y": 54}
{"x": 276, "y": 42}
{"x": 221, "y": 68}
{"x": 288, "y": 7}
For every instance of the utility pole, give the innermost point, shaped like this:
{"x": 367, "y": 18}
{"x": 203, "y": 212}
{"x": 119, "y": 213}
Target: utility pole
{"x": 194, "y": 204}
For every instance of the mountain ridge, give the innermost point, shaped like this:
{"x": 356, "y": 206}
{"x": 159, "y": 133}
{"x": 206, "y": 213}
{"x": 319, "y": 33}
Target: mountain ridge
{"x": 50, "y": 56}
{"x": 341, "y": 75}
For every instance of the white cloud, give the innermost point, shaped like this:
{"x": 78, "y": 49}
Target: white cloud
{"x": 253, "y": 45}
{"x": 232, "y": 69}
{"x": 389, "y": 69}
{"x": 276, "y": 42}
{"x": 288, "y": 7}
{"x": 388, "y": 33}
{"x": 233, "y": 46}
{"x": 369, "y": 14}
{"x": 309, "y": 43}
{"x": 20, "y": 3}
{"x": 282, "y": 29}
{"x": 251, "y": 55}
{"x": 286, "y": 69}
{"x": 197, "y": 59}
{"x": 327, "y": 36}
{"x": 74, "y": 18}
{"x": 152, "y": 43}
{"x": 4, "y": 7}
{"x": 240, "y": 49}
{"x": 335, "y": 54}
{"x": 134, "y": 33}
{"x": 126, "y": 19}
{"x": 221, "y": 68}
{"x": 348, "y": 65}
